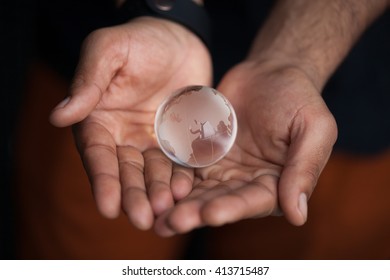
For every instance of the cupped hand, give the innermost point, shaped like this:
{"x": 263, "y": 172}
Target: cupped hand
{"x": 285, "y": 136}
{"x": 123, "y": 74}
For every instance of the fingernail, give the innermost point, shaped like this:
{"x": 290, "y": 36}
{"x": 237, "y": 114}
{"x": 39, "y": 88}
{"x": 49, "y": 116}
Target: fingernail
{"x": 302, "y": 205}
{"x": 63, "y": 103}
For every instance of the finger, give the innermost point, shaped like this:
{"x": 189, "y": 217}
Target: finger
{"x": 180, "y": 219}
{"x": 185, "y": 216}
{"x": 220, "y": 204}
{"x": 248, "y": 200}
{"x": 158, "y": 173}
{"x": 135, "y": 201}
{"x": 94, "y": 72}
{"x": 98, "y": 153}
{"x": 181, "y": 182}
{"x": 310, "y": 148}
{"x": 83, "y": 99}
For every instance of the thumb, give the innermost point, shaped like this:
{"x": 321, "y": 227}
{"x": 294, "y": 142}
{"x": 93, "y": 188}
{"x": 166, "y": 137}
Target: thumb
{"x": 92, "y": 78}
{"x": 77, "y": 106}
{"x": 310, "y": 148}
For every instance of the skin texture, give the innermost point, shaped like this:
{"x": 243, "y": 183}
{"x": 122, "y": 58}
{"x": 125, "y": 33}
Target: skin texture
{"x": 112, "y": 103}
{"x": 286, "y": 132}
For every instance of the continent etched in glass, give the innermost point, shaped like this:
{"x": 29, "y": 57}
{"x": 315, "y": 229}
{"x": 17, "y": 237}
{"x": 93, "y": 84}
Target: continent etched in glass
{"x": 196, "y": 126}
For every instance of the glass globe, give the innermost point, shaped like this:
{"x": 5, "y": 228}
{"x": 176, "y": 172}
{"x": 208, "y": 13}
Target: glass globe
{"x": 196, "y": 126}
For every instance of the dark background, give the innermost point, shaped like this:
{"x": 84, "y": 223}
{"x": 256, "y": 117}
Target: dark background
{"x": 358, "y": 94}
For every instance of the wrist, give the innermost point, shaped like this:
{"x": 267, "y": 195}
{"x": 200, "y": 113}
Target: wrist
{"x": 314, "y": 36}
{"x": 169, "y": 41}
{"x": 278, "y": 62}
{"x": 175, "y": 36}
{"x": 188, "y": 13}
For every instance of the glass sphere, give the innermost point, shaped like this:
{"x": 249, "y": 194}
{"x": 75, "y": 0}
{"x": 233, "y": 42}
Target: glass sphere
{"x": 196, "y": 126}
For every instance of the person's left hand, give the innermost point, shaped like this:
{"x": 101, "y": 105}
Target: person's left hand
{"x": 285, "y": 136}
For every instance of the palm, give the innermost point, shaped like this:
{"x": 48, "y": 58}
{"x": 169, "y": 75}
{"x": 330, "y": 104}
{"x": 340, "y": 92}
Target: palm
{"x": 151, "y": 65}
{"x": 272, "y": 111}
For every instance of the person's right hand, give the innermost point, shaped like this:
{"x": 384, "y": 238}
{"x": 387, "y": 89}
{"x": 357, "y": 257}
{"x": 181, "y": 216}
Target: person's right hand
{"x": 123, "y": 75}
{"x": 285, "y": 137}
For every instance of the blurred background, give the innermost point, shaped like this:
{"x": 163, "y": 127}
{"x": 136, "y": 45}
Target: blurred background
{"x": 47, "y": 210}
